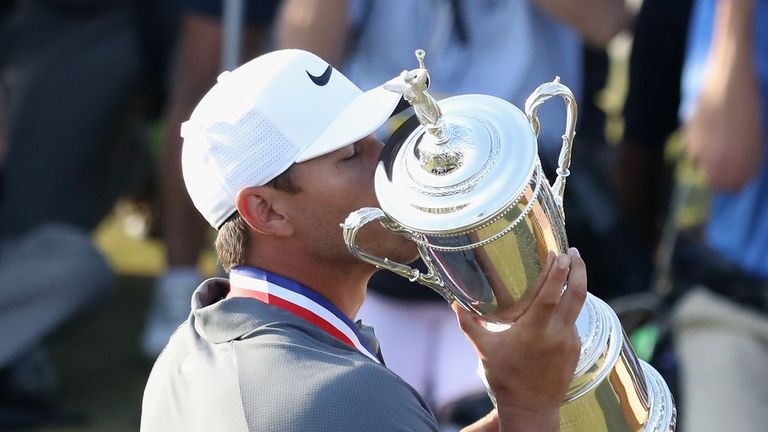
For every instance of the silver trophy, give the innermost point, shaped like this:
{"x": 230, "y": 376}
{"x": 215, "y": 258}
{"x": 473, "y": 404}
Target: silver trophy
{"x": 467, "y": 187}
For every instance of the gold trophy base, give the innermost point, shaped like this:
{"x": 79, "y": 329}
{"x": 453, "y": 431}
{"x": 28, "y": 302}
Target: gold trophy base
{"x": 612, "y": 390}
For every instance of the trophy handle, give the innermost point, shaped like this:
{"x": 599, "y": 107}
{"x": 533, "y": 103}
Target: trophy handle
{"x": 532, "y": 104}
{"x": 359, "y": 218}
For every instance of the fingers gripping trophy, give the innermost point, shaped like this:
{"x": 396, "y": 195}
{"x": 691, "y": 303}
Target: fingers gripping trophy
{"x": 467, "y": 187}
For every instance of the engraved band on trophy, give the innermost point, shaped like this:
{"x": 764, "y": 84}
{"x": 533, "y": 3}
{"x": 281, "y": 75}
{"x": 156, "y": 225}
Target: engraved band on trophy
{"x": 467, "y": 187}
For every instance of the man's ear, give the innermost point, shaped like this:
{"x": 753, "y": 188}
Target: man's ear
{"x": 256, "y": 206}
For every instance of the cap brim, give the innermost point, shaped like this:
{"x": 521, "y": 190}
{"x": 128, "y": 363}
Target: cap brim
{"x": 360, "y": 118}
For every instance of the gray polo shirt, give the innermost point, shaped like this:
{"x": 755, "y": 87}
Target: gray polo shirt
{"x": 241, "y": 365}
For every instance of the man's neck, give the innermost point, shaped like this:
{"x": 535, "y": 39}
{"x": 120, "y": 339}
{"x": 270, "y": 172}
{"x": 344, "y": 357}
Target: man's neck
{"x": 345, "y": 288}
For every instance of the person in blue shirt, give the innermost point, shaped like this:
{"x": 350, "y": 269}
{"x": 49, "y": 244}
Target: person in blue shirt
{"x": 721, "y": 332}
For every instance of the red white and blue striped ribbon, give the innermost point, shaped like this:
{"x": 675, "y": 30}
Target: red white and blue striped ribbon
{"x": 299, "y": 300}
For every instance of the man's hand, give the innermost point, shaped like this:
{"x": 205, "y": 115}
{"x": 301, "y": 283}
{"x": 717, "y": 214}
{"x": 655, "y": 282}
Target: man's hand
{"x": 530, "y": 366}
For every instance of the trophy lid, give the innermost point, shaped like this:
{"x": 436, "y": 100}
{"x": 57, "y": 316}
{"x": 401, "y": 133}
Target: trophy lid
{"x": 470, "y": 157}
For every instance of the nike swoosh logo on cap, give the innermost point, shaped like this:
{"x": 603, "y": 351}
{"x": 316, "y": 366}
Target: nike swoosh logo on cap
{"x": 323, "y": 79}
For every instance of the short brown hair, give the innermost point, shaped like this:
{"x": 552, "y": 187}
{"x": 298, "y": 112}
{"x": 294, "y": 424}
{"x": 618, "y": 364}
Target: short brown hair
{"x": 233, "y": 240}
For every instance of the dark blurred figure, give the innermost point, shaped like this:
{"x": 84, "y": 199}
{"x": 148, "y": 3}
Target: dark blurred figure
{"x": 721, "y": 325}
{"x": 596, "y": 221}
{"x": 198, "y": 63}
{"x": 650, "y": 113}
{"x": 68, "y": 70}
{"x": 644, "y": 179}
{"x": 627, "y": 214}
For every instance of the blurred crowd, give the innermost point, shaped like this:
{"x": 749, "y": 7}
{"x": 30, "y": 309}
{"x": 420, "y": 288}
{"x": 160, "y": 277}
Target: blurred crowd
{"x": 81, "y": 81}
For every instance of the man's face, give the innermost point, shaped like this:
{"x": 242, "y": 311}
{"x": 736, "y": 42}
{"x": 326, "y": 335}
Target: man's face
{"x": 332, "y": 186}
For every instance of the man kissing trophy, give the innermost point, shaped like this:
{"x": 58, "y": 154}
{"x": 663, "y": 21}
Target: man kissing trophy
{"x": 467, "y": 187}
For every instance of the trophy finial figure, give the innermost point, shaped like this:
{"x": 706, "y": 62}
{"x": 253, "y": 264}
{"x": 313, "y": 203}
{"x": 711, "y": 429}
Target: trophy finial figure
{"x": 420, "y": 54}
{"x": 413, "y": 86}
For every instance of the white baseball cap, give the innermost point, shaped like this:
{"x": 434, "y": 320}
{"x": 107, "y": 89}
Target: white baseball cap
{"x": 278, "y": 109}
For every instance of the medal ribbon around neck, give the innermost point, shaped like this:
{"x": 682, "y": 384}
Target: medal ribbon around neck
{"x": 299, "y": 300}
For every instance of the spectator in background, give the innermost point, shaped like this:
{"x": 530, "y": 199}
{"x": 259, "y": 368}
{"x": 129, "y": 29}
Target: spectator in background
{"x": 721, "y": 329}
{"x": 183, "y": 230}
{"x": 500, "y": 48}
{"x": 68, "y": 71}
